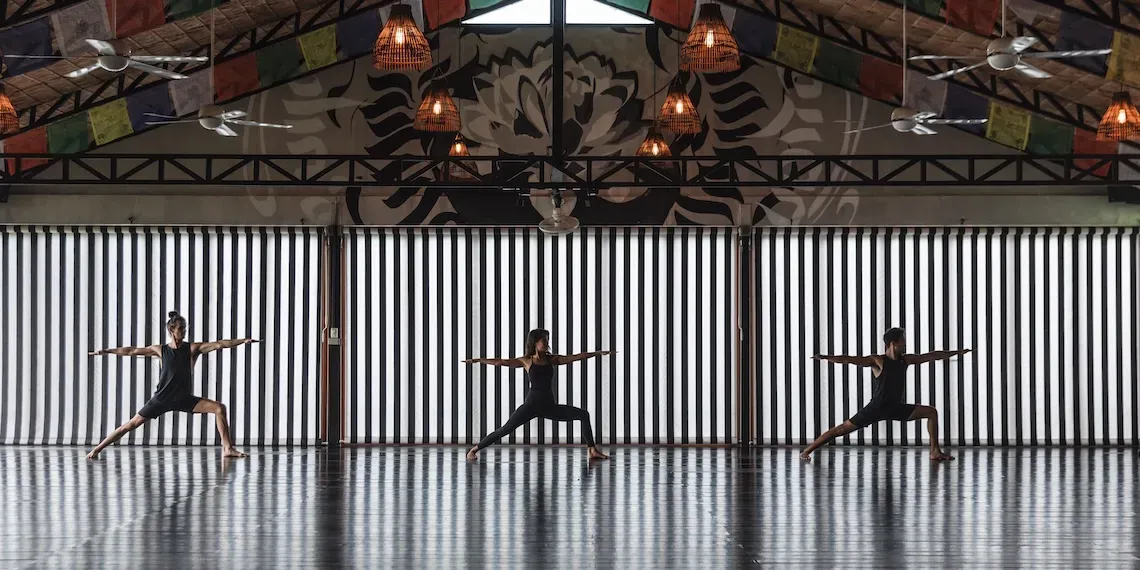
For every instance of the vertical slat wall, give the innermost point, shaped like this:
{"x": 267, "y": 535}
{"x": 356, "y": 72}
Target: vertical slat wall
{"x": 68, "y": 290}
{"x": 1050, "y": 313}
{"x": 419, "y": 301}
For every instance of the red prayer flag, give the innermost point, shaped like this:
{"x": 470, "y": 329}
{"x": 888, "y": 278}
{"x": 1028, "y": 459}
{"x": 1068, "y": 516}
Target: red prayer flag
{"x": 33, "y": 141}
{"x": 881, "y": 80}
{"x": 134, "y": 16}
{"x": 978, "y": 16}
{"x": 676, "y": 13}
{"x": 443, "y": 12}
{"x": 1084, "y": 142}
{"x": 236, "y": 77}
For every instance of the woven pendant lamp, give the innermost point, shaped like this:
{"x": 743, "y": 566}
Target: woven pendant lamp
{"x": 401, "y": 45}
{"x": 1121, "y": 121}
{"x": 437, "y": 112}
{"x": 459, "y": 149}
{"x": 654, "y": 145}
{"x": 678, "y": 114}
{"x": 710, "y": 47}
{"x": 9, "y": 120}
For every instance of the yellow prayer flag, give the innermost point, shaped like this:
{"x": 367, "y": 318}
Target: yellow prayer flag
{"x": 110, "y": 122}
{"x": 795, "y": 48}
{"x": 319, "y": 47}
{"x": 1008, "y": 126}
{"x": 1122, "y": 61}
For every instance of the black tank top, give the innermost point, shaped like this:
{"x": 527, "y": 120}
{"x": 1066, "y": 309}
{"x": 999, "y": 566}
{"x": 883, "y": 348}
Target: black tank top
{"x": 890, "y": 385}
{"x": 541, "y": 378}
{"x": 175, "y": 375}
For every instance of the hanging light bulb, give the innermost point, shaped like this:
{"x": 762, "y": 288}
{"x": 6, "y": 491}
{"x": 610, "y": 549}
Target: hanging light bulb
{"x": 1121, "y": 121}
{"x": 437, "y": 112}
{"x": 654, "y": 145}
{"x": 458, "y": 172}
{"x": 678, "y": 114}
{"x": 401, "y": 45}
{"x": 9, "y": 120}
{"x": 710, "y": 47}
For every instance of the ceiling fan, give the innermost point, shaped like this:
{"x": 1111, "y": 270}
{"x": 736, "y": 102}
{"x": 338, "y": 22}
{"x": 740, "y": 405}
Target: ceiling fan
{"x": 558, "y": 223}
{"x": 109, "y": 58}
{"x": 905, "y": 119}
{"x": 213, "y": 117}
{"x": 1005, "y": 53}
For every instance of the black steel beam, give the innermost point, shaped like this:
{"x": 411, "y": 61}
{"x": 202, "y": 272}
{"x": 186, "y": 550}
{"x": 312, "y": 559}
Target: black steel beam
{"x": 864, "y": 41}
{"x": 587, "y": 174}
{"x": 558, "y": 77}
{"x": 117, "y": 87}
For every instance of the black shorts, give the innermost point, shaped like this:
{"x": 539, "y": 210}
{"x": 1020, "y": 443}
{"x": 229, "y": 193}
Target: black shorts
{"x": 154, "y": 408}
{"x": 873, "y": 412}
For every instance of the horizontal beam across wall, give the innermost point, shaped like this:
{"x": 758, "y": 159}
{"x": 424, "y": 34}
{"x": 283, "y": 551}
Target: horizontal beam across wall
{"x": 524, "y": 173}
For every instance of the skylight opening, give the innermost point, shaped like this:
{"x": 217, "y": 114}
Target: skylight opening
{"x": 578, "y": 12}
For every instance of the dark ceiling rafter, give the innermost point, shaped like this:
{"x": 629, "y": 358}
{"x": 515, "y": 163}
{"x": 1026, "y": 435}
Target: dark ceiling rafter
{"x": 1113, "y": 17}
{"x": 117, "y": 87}
{"x": 580, "y": 173}
{"x": 994, "y": 87}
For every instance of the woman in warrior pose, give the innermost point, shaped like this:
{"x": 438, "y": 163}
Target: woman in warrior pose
{"x": 539, "y": 403}
{"x": 174, "y": 379}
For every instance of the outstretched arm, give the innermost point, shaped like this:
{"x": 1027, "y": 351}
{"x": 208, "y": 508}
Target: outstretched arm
{"x": 869, "y": 361}
{"x": 152, "y": 350}
{"x": 580, "y": 356}
{"x": 932, "y": 356}
{"x": 508, "y": 362}
{"x": 205, "y": 347}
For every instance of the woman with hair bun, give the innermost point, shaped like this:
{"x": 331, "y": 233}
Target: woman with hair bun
{"x": 174, "y": 380}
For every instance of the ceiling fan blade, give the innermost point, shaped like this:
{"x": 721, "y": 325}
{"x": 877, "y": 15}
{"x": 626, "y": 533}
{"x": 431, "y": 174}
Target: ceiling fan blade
{"x": 83, "y": 71}
{"x": 225, "y": 131}
{"x": 155, "y": 70}
{"x": 256, "y": 124}
{"x": 169, "y": 58}
{"x": 171, "y": 122}
{"x": 1070, "y": 53}
{"x": 228, "y": 115}
{"x": 102, "y": 47}
{"x": 925, "y": 57}
{"x": 956, "y": 71}
{"x": 1022, "y": 43}
{"x": 1033, "y": 72}
{"x": 853, "y": 131}
{"x": 159, "y": 116}
{"x": 14, "y": 56}
{"x": 923, "y": 130}
{"x": 954, "y": 121}
{"x": 923, "y": 115}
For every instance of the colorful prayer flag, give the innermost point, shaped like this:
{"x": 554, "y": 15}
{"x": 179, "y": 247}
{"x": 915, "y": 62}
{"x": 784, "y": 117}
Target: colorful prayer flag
{"x": 932, "y": 8}
{"x": 110, "y": 121}
{"x": 134, "y": 16}
{"x": 1008, "y": 126}
{"x": 75, "y": 24}
{"x": 236, "y": 77}
{"x": 1049, "y": 137}
{"x": 676, "y": 13}
{"x": 879, "y": 79}
{"x": 70, "y": 135}
{"x": 1122, "y": 61}
{"x": 961, "y": 103}
{"x": 755, "y": 35}
{"x": 180, "y": 9}
{"x": 795, "y": 48}
{"x": 838, "y": 65}
{"x": 357, "y": 35}
{"x": 27, "y": 142}
{"x": 155, "y": 100}
{"x": 191, "y": 94}
{"x": 978, "y": 16}
{"x": 1076, "y": 32}
{"x": 319, "y": 47}
{"x": 33, "y": 38}
{"x": 925, "y": 94}
{"x": 1084, "y": 142}
{"x": 278, "y": 62}
{"x": 441, "y": 12}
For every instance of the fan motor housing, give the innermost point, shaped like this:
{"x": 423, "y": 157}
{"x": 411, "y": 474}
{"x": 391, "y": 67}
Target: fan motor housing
{"x": 902, "y": 119}
{"x": 113, "y": 63}
{"x": 210, "y": 117}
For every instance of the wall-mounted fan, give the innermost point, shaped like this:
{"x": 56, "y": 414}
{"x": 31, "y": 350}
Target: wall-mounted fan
{"x": 1005, "y": 53}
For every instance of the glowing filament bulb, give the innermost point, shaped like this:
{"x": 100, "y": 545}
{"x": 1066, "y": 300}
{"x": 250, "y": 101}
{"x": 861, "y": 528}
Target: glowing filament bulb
{"x": 400, "y": 36}
{"x": 1122, "y": 117}
{"x": 680, "y": 107}
{"x": 437, "y": 108}
{"x": 656, "y": 150}
{"x": 709, "y": 39}
{"x": 458, "y": 147}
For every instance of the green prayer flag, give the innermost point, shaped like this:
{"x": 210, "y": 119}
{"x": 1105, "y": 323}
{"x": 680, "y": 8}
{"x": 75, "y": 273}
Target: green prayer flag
{"x": 278, "y": 62}
{"x": 1049, "y": 137}
{"x": 179, "y": 9}
{"x": 838, "y": 65}
{"x": 69, "y": 136}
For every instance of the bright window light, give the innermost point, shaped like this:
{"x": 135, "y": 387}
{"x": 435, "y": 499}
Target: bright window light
{"x": 537, "y": 12}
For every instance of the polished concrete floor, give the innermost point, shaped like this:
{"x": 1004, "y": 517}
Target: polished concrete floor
{"x": 546, "y": 507}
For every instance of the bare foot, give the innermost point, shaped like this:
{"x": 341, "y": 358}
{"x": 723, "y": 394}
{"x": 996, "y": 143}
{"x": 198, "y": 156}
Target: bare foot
{"x": 93, "y": 455}
{"x": 233, "y": 452}
{"x": 940, "y": 456}
{"x": 806, "y": 456}
{"x": 595, "y": 454}
{"x": 473, "y": 454}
